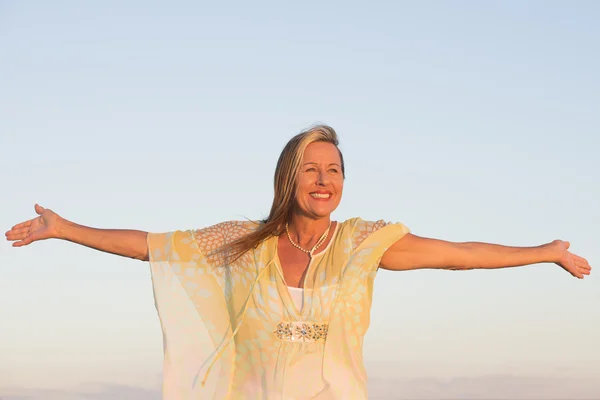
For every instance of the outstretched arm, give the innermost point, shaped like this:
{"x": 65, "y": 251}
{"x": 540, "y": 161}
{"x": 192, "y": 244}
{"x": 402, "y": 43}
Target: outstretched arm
{"x": 49, "y": 225}
{"x": 414, "y": 252}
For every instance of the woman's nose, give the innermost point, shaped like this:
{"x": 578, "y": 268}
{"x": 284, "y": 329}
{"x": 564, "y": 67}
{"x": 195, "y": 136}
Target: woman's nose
{"x": 322, "y": 178}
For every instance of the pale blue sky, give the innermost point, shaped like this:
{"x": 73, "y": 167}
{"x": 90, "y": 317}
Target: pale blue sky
{"x": 465, "y": 120}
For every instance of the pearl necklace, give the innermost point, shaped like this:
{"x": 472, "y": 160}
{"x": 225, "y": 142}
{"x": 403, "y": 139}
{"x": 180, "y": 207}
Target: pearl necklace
{"x": 316, "y": 246}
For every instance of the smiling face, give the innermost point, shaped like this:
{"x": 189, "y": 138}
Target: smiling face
{"x": 320, "y": 181}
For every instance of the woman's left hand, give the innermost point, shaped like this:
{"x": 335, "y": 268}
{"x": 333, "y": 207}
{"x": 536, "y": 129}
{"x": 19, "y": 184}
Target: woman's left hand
{"x": 572, "y": 263}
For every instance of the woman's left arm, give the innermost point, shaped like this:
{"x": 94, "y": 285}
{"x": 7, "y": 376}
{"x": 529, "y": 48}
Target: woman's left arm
{"x": 414, "y": 252}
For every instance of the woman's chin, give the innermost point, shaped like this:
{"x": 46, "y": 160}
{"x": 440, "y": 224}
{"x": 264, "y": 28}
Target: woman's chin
{"x": 322, "y": 212}
{"x": 317, "y": 211}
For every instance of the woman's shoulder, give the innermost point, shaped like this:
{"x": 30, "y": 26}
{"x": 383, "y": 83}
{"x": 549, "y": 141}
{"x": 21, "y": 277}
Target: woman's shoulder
{"x": 359, "y": 229}
{"x": 214, "y": 236}
{"x": 232, "y": 226}
{"x": 358, "y": 223}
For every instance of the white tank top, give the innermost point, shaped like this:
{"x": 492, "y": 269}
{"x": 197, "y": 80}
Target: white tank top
{"x": 297, "y": 296}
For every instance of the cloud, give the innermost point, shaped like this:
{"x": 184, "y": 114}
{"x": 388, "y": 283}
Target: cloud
{"x": 89, "y": 392}
{"x": 489, "y": 387}
{"x": 506, "y": 387}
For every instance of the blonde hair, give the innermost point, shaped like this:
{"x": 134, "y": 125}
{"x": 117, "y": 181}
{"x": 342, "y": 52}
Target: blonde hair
{"x": 285, "y": 183}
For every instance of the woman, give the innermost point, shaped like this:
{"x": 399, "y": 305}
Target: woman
{"x": 279, "y": 308}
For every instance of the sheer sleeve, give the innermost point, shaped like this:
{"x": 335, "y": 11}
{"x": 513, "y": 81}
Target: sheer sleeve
{"x": 210, "y": 239}
{"x": 366, "y": 242}
{"x": 375, "y": 237}
{"x": 192, "y": 305}
{"x": 363, "y": 229}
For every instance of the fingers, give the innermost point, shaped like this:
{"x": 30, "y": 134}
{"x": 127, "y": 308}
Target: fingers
{"x": 39, "y": 209}
{"x": 17, "y": 234}
{"x": 577, "y": 266}
{"x": 585, "y": 270}
{"x": 22, "y": 242}
{"x": 581, "y": 265}
{"x": 17, "y": 230}
{"x": 573, "y": 268}
{"x": 21, "y": 233}
{"x": 581, "y": 262}
{"x": 21, "y": 236}
{"x": 25, "y": 224}
{"x": 577, "y": 273}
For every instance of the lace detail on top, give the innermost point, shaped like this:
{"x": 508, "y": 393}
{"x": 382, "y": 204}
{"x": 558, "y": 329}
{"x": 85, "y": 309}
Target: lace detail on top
{"x": 364, "y": 229}
{"x": 213, "y": 237}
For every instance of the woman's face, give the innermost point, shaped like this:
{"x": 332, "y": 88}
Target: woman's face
{"x": 320, "y": 182}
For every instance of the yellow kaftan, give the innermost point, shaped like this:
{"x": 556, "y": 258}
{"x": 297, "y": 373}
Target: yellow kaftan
{"x": 234, "y": 332}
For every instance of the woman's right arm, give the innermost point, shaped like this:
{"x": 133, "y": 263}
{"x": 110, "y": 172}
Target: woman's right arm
{"x": 49, "y": 225}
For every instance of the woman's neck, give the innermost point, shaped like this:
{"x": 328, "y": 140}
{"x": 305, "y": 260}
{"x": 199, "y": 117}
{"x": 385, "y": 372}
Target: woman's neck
{"x": 306, "y": 232}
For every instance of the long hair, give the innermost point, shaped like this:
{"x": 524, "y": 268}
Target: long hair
{"x": 285, "y": 184}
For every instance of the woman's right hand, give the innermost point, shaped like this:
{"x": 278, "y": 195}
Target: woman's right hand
{"x": 45, "y": 226}
{"x": 122, "y": 242}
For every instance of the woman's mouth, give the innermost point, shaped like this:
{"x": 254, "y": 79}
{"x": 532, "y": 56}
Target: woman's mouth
{"x": 320, "y": 196}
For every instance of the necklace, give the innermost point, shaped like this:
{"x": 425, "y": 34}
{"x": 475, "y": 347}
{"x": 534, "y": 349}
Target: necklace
{"x": 316, "y": 246}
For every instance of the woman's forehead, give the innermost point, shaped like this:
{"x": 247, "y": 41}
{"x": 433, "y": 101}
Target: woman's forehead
{"x": 321, "y": 153}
